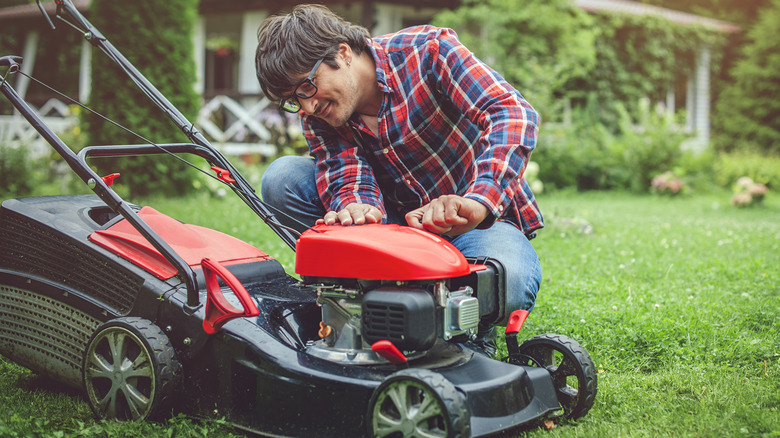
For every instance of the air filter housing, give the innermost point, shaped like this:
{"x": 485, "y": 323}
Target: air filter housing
{"x": 407, "y": 318}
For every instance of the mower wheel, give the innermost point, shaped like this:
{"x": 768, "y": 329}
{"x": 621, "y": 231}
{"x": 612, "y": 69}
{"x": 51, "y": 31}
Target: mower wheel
{"x": 570, "y": 366}
{"x": 130, "y": 370}
{"x": 416, "y": 402}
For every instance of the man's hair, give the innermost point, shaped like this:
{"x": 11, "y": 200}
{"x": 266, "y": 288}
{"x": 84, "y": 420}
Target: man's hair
{"x": 289, "y": 45}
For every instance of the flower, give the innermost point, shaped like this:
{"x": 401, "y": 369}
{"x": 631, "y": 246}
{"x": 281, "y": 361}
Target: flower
{"x": 742, "y": 199}
{"x": 757, "y": 191}
{"x": 748, "y": 193}
{"x": 744, "y": 183}
{"x": 667, "y": 183}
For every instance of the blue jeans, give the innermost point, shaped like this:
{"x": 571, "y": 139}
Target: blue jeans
{"x": 288, "y": 185}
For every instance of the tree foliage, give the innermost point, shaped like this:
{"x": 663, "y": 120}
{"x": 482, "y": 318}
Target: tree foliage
{"x": 539, "y": 46}
{"x": 552, "y": 50}
{"x": 157, "y": 38}
{"x": 748, "y": 113}
{"x": 640, "y": 57}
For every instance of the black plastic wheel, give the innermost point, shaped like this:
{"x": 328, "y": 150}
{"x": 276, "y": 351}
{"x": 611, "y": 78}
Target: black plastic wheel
{"x": 130, "y": 370}
{"x": 572, "y": 370}
{"x": 417, "y": 403}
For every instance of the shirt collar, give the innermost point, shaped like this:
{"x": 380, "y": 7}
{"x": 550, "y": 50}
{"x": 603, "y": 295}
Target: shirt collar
{"x": 382, "y": 65}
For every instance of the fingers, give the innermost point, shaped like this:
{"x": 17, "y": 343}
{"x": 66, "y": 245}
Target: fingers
{"x": 448, "y": 214}
{"x": 444, "y": 211}
{"x": 414, "y": 218}
{"x": 353, "y": 214}
{"x": 438, "y": 216}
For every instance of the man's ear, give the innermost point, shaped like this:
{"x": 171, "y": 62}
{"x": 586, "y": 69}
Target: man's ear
{"x": 345, "y": 52}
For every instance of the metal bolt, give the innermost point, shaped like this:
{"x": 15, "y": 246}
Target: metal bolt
{"x": 187, "y": 341}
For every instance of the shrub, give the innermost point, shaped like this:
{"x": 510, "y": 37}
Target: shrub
{"x": 17, "y": 171}
{"x": 587, "y": 156}
{"x": 157, "y": 38}
{"x": 759, "y": 167}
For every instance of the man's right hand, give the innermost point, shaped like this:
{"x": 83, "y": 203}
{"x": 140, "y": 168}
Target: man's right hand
{"x": 353, "y": 214}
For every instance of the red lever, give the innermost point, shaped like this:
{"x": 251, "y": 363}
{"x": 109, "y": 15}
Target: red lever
{"x": 387, "y": 350}
{"x": 218, "y": 309}
{"x": 223, "y": 174}
{"x": 109, "y": 179}
{"x": 516, "y": 320}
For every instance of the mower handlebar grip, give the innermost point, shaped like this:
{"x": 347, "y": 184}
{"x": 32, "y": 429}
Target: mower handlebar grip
{"x": 11, "y": 61}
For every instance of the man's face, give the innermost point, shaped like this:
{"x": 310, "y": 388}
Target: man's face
{"x": 336, "y": 96}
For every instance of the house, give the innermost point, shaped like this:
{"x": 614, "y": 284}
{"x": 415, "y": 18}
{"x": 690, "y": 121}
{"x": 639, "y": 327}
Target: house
{"x": 225, "y": 41}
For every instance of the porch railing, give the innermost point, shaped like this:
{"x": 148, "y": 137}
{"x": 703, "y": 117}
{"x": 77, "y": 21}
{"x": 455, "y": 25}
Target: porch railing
{"x": 235, "y": 125}
{"x": 15, "y": 131}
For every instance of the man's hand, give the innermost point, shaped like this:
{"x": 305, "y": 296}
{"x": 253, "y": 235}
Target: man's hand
{"x": 449, "y": 214}
{"x": 353, "y": 214}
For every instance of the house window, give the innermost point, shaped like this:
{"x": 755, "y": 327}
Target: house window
{"x": 222, "y": 54}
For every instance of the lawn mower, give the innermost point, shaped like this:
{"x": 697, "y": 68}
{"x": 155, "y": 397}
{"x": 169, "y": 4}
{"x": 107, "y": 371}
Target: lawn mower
{"x": 149, "y": 316}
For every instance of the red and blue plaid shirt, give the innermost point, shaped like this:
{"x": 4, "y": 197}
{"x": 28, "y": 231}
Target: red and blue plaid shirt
{"x": 448, "y": 124}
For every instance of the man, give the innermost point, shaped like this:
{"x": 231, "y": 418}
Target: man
{"x": 407, "y": 128}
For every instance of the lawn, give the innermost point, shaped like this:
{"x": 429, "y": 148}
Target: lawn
{"x": 676, "y": 299}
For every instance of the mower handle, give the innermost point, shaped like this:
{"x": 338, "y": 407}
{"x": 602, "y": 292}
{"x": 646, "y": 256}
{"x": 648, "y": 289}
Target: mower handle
{"x": 11, "y": 61}
{"x": 146, "y": 149}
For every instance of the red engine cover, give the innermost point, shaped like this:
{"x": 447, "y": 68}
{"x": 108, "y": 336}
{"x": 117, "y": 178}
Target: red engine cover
{"x": 378, "y": 252}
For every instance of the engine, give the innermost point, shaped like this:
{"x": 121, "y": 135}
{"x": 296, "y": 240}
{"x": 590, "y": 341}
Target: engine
{"x": 411, "y": 316}
{"x": 390, "y": 283}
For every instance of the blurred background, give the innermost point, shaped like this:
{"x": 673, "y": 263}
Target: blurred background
{"x": 629, "y": 91}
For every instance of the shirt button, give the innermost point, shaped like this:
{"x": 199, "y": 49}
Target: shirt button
{"x": 500, "y": 208}
{"x": 385, "y": 150}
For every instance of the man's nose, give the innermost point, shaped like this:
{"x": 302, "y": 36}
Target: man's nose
{"x": 309, "y": 106}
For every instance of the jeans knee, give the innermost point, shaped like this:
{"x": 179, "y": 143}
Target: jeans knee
{"x": 282, "y": 176}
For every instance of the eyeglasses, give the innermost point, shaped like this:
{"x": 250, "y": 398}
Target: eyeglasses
{"x": 305, "y": 90}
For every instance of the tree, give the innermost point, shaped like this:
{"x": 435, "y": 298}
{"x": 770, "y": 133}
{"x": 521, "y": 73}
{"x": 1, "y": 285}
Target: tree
{"x": 157, "y": 38}
{"x": 539, "y": 46}
{"x": 748, "y": 113}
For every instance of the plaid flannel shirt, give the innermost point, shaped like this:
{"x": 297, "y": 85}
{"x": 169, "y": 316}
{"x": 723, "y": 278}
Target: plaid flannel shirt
{"x": 448, "y": 124}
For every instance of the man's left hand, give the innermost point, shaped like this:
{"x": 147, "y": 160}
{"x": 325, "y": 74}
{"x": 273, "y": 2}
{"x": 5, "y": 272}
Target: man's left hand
{"x": 449, "y": 214}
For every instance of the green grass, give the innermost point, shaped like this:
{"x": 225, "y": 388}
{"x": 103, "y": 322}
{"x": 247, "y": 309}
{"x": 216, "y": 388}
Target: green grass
{"x": 676, "y": 299}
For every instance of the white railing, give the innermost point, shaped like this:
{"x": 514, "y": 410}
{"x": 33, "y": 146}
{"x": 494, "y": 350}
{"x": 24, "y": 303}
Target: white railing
{"x": 248, "y": 125}
{"x": 252, "y": 125}
{"x": 16, "y": 131}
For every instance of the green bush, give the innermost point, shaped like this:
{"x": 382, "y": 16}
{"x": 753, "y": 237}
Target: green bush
{"x": 587, "y": 156}
{"x": 697, "y": 170}
{"x": 761, "y": 168}
{"x": 157, "y": 38}
{"x": 17, "y": 172}
{"x": 638, "y": 56}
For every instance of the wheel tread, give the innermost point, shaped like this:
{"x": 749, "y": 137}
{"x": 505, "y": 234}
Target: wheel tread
{"x": 167, "y": 367}
{"x": 584, "y": 361}
{"x": 455, "y": 405}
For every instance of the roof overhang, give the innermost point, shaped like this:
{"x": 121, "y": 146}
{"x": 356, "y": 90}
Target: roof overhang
{"x": 32, "y": 10}
{"x": 636, "y": 8}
